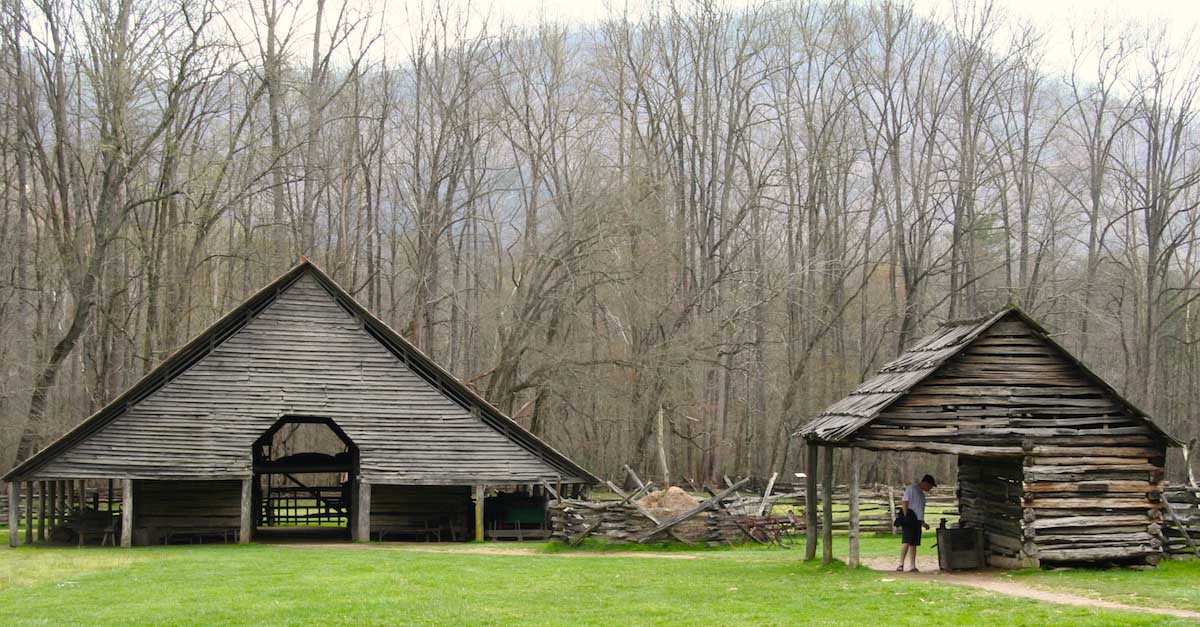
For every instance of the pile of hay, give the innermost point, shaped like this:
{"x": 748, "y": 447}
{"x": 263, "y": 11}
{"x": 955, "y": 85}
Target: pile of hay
{"x": 673, "y": 499}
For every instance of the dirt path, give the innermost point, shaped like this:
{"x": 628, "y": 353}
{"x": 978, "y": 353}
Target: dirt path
{"x": 993, "y": 581}
{"x": 421, "y": 547}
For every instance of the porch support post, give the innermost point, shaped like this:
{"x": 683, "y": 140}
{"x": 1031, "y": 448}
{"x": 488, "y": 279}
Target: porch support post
{"x": 29, "y": 512}
{"x": 41, "y": 526}
{"x": 810, "y": 502}
{"x": 246, "y": 528}
{"x": 54, "y": 503}
{"x": 479, "y": 513}
{"x": 126, "y": 513}
{"x": 14, "y": 512}
{"x": 362, "y": 513}
{"x": 827, "y": 507}
{"x": 852, "y": 559}
{"x": 54, "y": 520}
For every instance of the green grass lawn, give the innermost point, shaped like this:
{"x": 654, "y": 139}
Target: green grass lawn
{"x": 261, "y": 584}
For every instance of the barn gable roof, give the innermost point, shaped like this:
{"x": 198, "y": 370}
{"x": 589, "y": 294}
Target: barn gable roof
{"x": 840, "y": 421}
{"x": 460, "y": 409}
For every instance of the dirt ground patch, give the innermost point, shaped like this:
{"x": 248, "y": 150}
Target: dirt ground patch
{"x": 995, "y": 581}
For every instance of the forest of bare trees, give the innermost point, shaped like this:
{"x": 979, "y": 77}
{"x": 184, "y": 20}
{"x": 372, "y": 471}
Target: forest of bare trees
{"x": 700, "y": 225}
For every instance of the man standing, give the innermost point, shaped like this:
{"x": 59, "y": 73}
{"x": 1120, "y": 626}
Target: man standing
{"x": 912, "y": 520}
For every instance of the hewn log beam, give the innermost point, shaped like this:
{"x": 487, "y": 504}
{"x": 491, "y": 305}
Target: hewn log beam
{"x": 126, "y": 513}
{"x": 479, "y": 513}
{"x": 362, "y": 513}
{"x": 246, "y": 528}
{"x": 14, "y": 512}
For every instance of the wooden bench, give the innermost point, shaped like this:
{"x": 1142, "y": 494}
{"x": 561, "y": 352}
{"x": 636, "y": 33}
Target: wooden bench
{"x": 196, "y": 535}
{"x": 93, "y": 523}
{"x": 518, "y": 534}
{"x": 419, "y": 529}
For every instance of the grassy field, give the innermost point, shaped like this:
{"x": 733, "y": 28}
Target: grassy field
{"x": 1173, "y": 584}
{"x": 261, "y": 584}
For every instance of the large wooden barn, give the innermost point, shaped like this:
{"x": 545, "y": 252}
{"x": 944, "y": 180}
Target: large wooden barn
{"x": 193, "y": 449}
{"x": 1053, "y": 463}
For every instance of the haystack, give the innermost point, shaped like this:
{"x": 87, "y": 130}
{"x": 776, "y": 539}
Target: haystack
{"x": 673, "y": 499}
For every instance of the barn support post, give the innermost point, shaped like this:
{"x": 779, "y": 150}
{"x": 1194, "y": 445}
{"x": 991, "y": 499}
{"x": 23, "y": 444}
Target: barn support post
{"x": 362, "y": 513}
{"x": 246, "y": 526}
{"x": 810, "y": 502}
{"x": 62, "y": 501}
{"x": 41, "y": 526}
{"x": 479, "y": 513}
{"x": 54, "y": 519}
{"x": 14, "y": 512}
{"x": 852, "y": 559}
{"x": 28, "y": 512}
{"x": 827, "y": 508}
{"x": 126, "y": 513}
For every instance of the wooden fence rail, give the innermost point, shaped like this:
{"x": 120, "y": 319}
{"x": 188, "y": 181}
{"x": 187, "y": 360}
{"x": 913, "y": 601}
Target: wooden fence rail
{"x": 1181, "y": 523}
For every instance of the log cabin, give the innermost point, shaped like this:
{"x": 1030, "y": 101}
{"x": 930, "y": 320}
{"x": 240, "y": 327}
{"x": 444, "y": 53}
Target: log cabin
{"x": 1053, "y": 464}
{"x": 193, "y": 450}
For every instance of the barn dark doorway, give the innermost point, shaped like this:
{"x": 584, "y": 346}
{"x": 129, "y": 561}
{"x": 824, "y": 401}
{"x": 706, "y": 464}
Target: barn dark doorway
{"x": 304, "y": 475}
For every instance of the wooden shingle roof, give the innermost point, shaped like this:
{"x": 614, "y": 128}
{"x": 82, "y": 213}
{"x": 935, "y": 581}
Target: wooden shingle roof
{"x": 894, "y": 380}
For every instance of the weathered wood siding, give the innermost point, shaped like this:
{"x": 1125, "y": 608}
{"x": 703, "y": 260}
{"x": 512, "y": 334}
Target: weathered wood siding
{"x": 1092, "y": 469}
{"x": 307, "y": 355}
{"x": 400, "y": 507}
{"x": 163, "y": 506}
